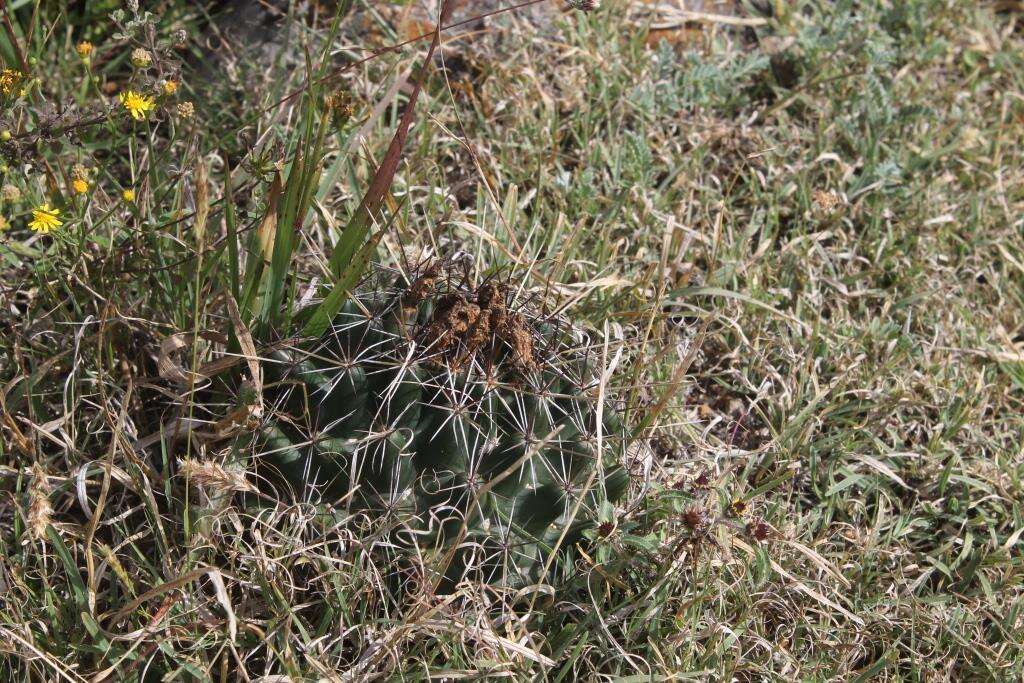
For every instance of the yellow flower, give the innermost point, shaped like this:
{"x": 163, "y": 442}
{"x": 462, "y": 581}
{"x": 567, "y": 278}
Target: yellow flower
{"x": 80, "y": 186}
{"x": 9, "y": 80}
{"x": 170, "y": 87}
{"x": 136, "y": 104}
{"x": 3, "y": 223}
{"x": 44, "y": 219}
{"x": 84, "y": 49}
{"x": 128, "y": 195}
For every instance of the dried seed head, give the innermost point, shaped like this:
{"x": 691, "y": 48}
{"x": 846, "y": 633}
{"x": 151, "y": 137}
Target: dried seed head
{"x": 10, "y": 80}
{"x": 585, "y": 5}
{"x": 79, "y": 172}
{"x": 202, "y": 201}
{"x": 758, "y": 530}
{"x": 141, "y": 58}
{"x": 185, "y": 110}
{"x": 213, "y": 476}
{"x": 703, "y": 481}
{"x": 40, "y": 512}
{"x": 695, "y": 519}
{"x": 115, "y": 563}
{"x": 825, "y": 201}
{"x": 340, "y": 105}
{"x": 11, "y": 193}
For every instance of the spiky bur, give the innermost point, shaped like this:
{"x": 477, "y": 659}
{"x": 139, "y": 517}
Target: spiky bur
{"x": 476, "y": 426}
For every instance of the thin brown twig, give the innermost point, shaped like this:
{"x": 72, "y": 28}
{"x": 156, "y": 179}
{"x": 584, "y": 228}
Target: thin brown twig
{"x": 65, "y": 129}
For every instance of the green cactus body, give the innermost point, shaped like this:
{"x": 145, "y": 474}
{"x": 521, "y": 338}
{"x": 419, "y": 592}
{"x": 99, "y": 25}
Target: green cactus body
{"x": 403, "y": 410}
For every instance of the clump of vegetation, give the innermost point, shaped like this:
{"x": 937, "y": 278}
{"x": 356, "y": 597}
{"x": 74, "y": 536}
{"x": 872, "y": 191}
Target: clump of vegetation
{"x": 480, "y": 430}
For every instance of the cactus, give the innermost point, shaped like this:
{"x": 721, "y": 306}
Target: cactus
{"x": 441, "y": 404}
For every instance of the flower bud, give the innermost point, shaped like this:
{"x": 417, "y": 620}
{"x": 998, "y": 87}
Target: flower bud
{"x": 141, "y": 58}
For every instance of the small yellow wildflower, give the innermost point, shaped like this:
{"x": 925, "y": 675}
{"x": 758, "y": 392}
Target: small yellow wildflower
{"x": 84, "y": 49}
{"x": 3, "y": 224}
{"x": 185, "y": 110}
{"x": 9, "y": 80}
{"x": 128, "y": 195}
{"x": 44, "y": 219}
{"x": 80, "y": 186}
{"x": 5, "y": 135}
{"x": 170, "y": 87}
{"x": 136, "y": 104}
{"x": 141, "y": 58}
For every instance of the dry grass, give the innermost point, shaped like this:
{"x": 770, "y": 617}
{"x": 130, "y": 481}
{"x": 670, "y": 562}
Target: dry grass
{"x": 800, "y": 236}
